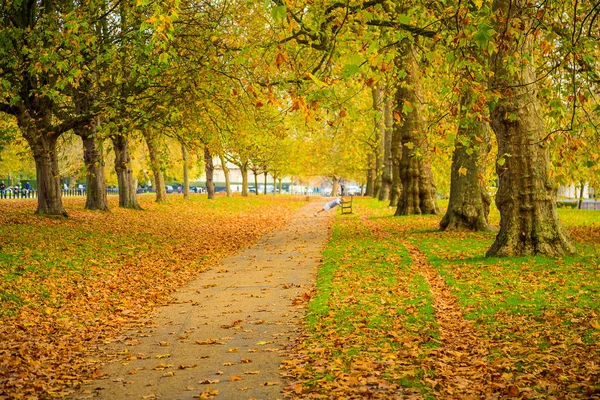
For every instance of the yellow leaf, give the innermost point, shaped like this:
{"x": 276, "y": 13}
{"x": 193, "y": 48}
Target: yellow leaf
{"x": 462, "y": 171}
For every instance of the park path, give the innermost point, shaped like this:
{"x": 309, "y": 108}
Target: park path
{"x": 226, "y": 333}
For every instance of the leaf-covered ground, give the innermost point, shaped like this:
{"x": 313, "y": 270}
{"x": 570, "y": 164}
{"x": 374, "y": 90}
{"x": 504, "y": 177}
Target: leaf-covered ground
{"x": 67, "y": 285}
{"x": 404, "y": 311}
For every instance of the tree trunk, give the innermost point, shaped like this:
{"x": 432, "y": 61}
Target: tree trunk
{"x": 580, "y": 202}
{"x": 418, "y": 190}
{"x": 156, "y": 166}
{"x": 275, "y": 177}
{"x": 244, "y": 171}
{"x": 396, "y": 152}
{"x": 209, "y": 168}
{"x": 265, "y": 188}
{"x": 226, "y": 173}
{"x": 370, "y": 175}
{"x": 379, "y": 148}
{"x": 127, "y": 189}
{"x": 526, "y": 195}
{"x": 336, "y": 187}
{"x": 386, "y": 171}
{"x": 255, "y": 182}
{"x": 469, "y": 203}
{"x": 48, "y": 176}
{"x": 93, "y": 158}
{"x": 186, "y": 176}
{"x": 43, "y": 145}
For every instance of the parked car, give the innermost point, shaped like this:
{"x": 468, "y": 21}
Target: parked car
{"x": 169, "y": 189}
{"x": 353, "y": 191}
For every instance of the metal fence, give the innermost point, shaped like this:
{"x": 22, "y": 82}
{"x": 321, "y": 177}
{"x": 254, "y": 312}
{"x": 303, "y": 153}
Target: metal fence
{"x": 33, "y": 194}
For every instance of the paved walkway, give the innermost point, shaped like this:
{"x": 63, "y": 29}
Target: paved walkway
{"x": 226, "y": 333}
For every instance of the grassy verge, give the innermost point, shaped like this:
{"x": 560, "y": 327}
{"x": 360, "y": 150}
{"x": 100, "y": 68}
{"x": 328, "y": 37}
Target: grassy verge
{"x": 370, "y": 321}
{"x": 538, "y": 317}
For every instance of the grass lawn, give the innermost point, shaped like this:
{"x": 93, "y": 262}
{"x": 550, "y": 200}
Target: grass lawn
{"x": 530, "y": 325}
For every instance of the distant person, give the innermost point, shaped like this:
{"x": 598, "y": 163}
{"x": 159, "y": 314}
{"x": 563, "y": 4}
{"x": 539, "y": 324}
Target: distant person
{"x": 2, "y": 187}
{"x": 332, "y": 204}
{"x": 343, "y": 189}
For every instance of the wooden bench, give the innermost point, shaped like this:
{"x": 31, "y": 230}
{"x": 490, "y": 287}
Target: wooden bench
{"x": 346, "y": 206}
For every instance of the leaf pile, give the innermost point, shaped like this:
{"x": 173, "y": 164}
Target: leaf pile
{"x": 67, "y": 285}
{"x": 430, "y": 316}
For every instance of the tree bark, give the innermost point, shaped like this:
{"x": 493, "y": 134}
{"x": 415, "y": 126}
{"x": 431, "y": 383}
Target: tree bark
{"x": 42, "y": 142}
{"x": 255, "y": 181}
{"x": 386, "y": 172}
{"x": 48, "y": 176}
{"x": 526, "y": 195}
{"x": 93, "y": 159}
{"x": 265, "y": 188}
{"x": 186, "y": 176}
{"x": 244, "y": 171}
{"x": 418, "y": 189}
{"x": 396, "y": 152}
{"x": 226, "y": 173}
{"x": 336, "y": 185}
{"x": 127, "y": 189}
{"x": 156, "y": 166}
{"x": 209, "y": 168}
{"x": 581, "y": 189}
{"x": 469, "y": 203}
{"x": 371, "y": 172}
{"x": 379, "y": 148}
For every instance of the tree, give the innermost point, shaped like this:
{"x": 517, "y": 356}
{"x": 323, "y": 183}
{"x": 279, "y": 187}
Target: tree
{"x": 526, "y": 196}
{"x": 41, "y": 59}
{"x": 418, "y": 190}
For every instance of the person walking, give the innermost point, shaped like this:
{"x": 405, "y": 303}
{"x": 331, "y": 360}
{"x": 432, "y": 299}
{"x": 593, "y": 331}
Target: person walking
{"x": 332, "y": 204}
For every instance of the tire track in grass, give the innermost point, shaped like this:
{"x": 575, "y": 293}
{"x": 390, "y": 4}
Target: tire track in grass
{"x": 461, "y": 363}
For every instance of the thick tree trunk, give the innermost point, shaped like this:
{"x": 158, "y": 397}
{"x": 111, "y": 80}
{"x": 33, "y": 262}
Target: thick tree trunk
{"x": 43, "y": 145}
{"x": 186, "y": 176}
{"x": 386, "y": 172}
{"x": 226, "y": 173}
{"x": 244, "y": 172}
{"x": 127, "y": 187}
{"x": 526, "y": 195}
{"x": 469, "y": 203}
{"x": 418, "y": 190}
{"x": 48, "y": 176}
{"x": 396, "y": 152}
{"x": 93, "y": 158}
{"x": 209, "y": 169}
{"x": 156, "y": 166}
{"x": 378, "y": 106}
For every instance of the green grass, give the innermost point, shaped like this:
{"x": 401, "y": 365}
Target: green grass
{"x": 545, "y": 312}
